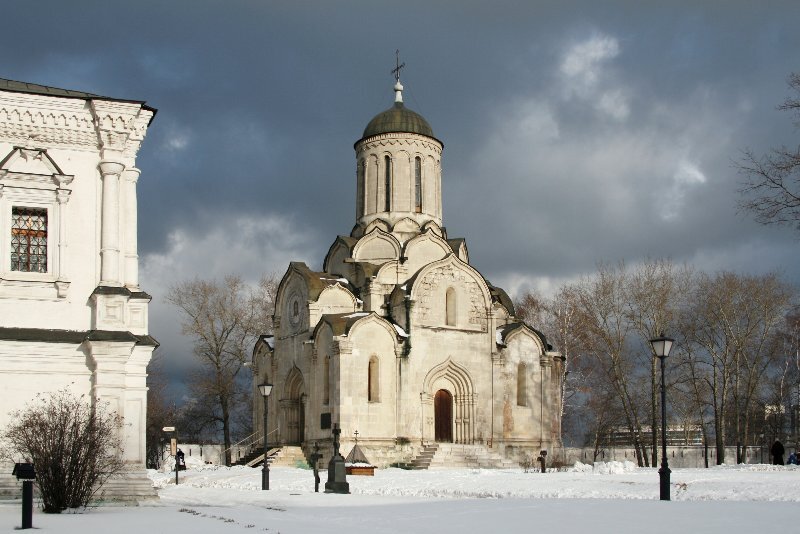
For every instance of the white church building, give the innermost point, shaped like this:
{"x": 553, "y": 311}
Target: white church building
{"x": 398, "y": 339}
{"x": 72, "y": 314}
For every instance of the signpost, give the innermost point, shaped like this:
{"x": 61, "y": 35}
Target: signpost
{"x": 173, "y": 448}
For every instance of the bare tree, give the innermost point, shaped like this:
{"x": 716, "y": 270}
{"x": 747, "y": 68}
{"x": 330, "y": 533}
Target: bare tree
{"x": 224, "y": 320}
{"x": 74, "y": 445}
{"x": 656, "y": 292}
{"x": 557, "y": 317}
{"x": 734, "y": 327}
{"x": 771, "y": 188}
{"x": 601, "y": 302}
{"x": 161, "y": 410}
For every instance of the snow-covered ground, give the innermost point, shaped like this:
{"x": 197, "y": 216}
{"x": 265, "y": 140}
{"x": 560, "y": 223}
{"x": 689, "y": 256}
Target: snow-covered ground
{"x": 605, "y": 498}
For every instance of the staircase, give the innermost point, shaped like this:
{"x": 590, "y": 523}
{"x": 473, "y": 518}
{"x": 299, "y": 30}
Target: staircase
{"x": 423, "y": 460}
{"x": 454, "y": 456}
{"x": 256, "y": 457}
{"x": 289, "y": 456}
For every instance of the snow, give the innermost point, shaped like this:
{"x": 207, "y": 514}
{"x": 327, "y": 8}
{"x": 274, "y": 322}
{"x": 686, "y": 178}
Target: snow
{"x": 498, "y": 336}
{"x": 400, "y": 331}
{"x": 357, "y": 314}
{"x": 614, "y": 497}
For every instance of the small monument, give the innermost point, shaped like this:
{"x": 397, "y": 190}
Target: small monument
{"x": 337, "y": 476}
{"x": 356, "y": 462}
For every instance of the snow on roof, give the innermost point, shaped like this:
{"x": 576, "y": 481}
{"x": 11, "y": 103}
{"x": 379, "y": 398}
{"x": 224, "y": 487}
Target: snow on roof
{"x": 356, "y": 314}
{"x": 270, "y": 341}
{"x": 498, "y": 336}
{"x": 400, "y": 331}
{"x": 340, "y": 280}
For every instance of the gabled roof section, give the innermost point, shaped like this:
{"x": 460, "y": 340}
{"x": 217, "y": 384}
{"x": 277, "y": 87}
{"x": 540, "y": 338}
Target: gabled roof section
{"x": 357, "y": 456}
{"x": 500, "y": 296}
{"x": 340, "y": 323}
{"x": 504, "y": 331}
{"x": 14, "y": 86}
{"x": 266, "y": 341}
{"x": 346, "y": 241}
{"x": 316, "y": 282}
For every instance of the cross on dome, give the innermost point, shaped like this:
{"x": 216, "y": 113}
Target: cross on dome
{"x": 398, "y": 87}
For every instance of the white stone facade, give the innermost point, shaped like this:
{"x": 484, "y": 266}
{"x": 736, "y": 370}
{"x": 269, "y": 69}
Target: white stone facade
{"x": 72, "y": 314}
{"x": 398, "y": 337}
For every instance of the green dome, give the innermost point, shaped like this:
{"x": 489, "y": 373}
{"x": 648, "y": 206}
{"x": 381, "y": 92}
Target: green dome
{"x": 398, "y": 118}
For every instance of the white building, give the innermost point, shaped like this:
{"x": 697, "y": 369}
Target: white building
{"x": 72, "y": 313}
{"x": 397, "y": 337}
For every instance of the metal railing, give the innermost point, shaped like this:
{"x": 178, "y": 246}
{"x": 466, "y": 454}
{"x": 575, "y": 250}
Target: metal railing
{"x": 244, "y": 443}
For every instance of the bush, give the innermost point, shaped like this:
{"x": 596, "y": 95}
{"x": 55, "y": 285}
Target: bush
{"x": 527, "y": 463}
{"x": 74, "y": 447}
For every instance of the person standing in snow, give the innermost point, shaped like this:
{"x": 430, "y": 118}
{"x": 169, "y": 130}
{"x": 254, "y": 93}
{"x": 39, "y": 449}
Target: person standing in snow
{"x": 777, "y": 451}
{"x": 792, "y": 460}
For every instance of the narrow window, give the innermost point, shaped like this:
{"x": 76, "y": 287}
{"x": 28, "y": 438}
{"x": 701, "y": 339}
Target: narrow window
{"x": 418, "y": 184}
{"x": 29, "y": 240}
{"x": 450, "y": 307}
{"x": 373, "y": 389}
{"x": 522, "y": 385}
{"x": 326, "y": 380}
{"x": 361, "y": 172}
{"x": 295, "y": 309}
{"x": 387, "y": 186}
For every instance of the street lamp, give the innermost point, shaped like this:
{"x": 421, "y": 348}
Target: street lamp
{"x": 265, "y": 390}
{"x": 661, "y": 347}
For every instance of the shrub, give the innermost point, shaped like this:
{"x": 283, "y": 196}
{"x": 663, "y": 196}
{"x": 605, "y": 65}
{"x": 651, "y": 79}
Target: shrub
{"x": 527, "y": 463}
{"x": 75, "y": 447}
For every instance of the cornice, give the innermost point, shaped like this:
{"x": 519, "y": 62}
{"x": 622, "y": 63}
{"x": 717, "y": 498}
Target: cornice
{"x": 399, "y": 139}
{"x": 54, "y": 122}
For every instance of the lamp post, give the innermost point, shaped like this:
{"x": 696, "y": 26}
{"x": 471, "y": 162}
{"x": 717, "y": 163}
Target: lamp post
{"x": 661, "y": 347}
{"x": 265, "y": 390}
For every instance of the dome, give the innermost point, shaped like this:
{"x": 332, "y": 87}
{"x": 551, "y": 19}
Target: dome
{"x": 398, "y": 118}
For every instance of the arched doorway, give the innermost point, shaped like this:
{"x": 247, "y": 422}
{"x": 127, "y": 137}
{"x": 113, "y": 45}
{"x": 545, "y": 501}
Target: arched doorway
{"x": 293, "y": 406}
{"x": 443, "y": 416}
{"x": 448, "y": 404}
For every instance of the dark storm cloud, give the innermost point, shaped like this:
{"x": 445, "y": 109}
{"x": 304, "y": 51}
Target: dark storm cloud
{"x": 574, "y": 132}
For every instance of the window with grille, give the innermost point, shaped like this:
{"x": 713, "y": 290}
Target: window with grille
{"x": 29, "y": 240}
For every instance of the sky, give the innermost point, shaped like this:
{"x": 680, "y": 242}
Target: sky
{"x": 575, "y": 132}
{"x": 606, "y": 498}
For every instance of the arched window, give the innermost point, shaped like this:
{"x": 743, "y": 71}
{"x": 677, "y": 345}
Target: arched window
{"x": 522, "y": 385}
{"x": 373, "y": 382}
{"x": 450, "y": 307}
{"x": 295, "y": 309}
{"x": 326, "y": 380}
{"x": 387, "y": 186}
{"x": 360, "y": 181}
{"x": 418, "y": 184}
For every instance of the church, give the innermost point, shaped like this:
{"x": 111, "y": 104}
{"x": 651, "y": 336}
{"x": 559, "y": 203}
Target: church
{"x": 72, "y": 313}
{"x": 398, "y": 339}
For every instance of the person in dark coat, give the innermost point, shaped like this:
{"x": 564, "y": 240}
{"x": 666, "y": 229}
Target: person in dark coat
{"x": 777, "y": 451}
{"x": 181, "y": 462}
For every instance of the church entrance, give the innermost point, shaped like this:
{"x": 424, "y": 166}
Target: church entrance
{"x": 294, "y": 409}
{"x": 443, "y": 416}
